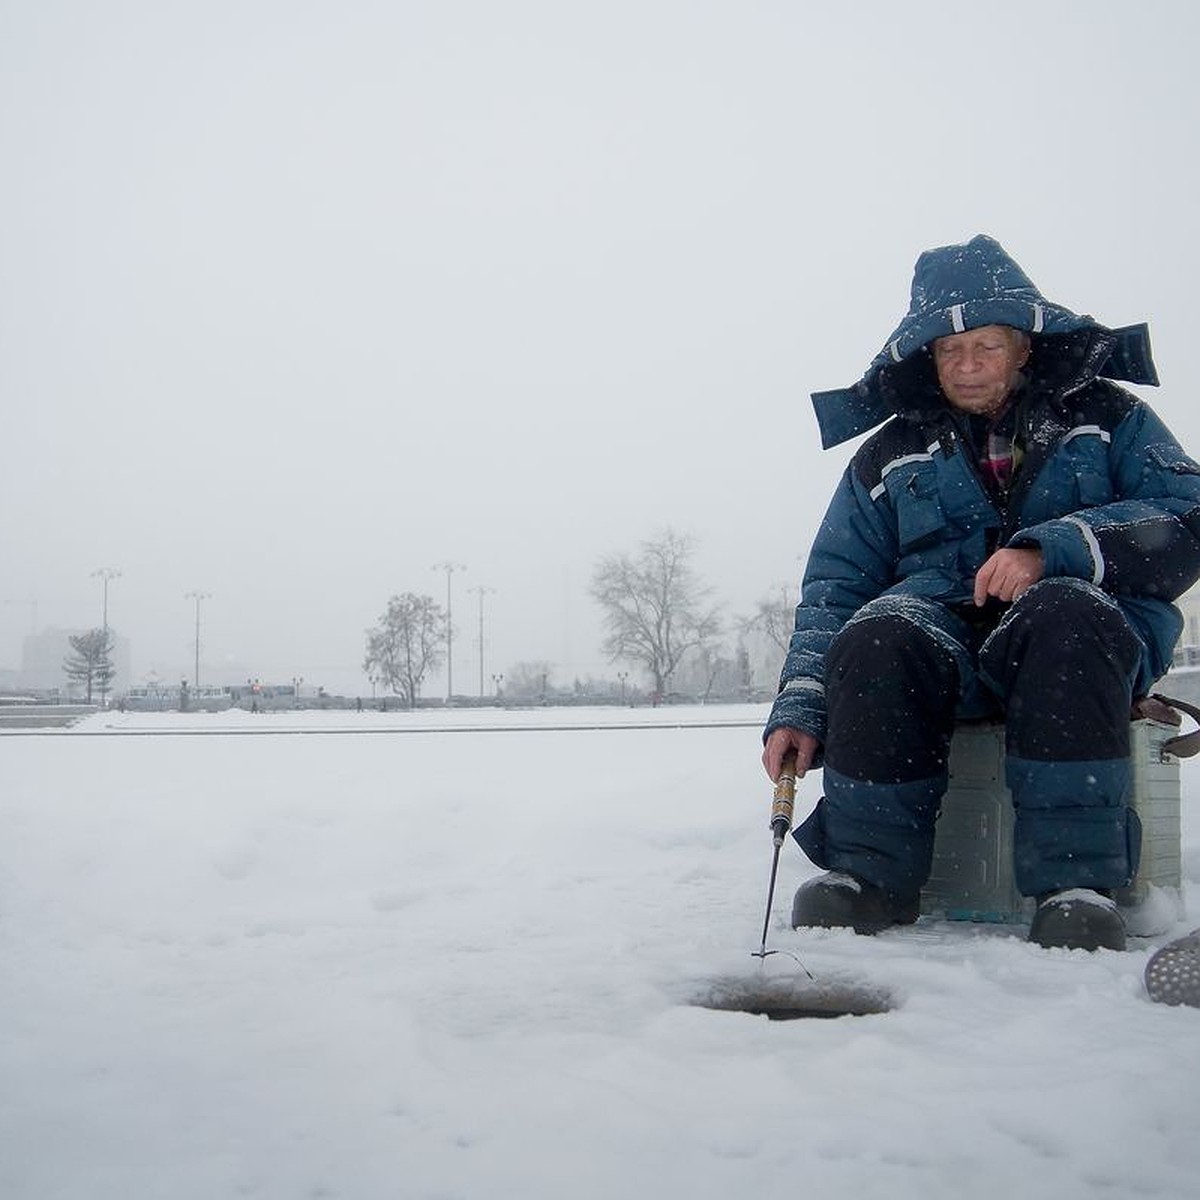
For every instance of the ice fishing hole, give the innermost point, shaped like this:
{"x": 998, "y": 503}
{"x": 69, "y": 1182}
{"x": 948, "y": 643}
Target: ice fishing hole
{"x": 791, "y": 998}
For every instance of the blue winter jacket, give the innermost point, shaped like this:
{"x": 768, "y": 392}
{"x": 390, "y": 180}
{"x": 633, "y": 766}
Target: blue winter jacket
{"x": 1103, "y": 489}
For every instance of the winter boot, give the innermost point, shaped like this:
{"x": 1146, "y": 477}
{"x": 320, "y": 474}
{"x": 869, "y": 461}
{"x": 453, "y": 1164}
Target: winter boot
{"x": 1173, "y": 973}
{"x": 838, "y": 899}
{"x": 1078, "y": 919}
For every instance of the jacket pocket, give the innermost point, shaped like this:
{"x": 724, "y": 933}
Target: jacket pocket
{"x": 913, "y": 491}
{"x": 1093, "y": 489}
{"x": 1084, "y": 469}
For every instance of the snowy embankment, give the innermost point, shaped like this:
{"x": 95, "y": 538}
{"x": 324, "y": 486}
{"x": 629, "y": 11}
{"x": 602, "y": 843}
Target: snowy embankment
{"x": 425, "y": 965}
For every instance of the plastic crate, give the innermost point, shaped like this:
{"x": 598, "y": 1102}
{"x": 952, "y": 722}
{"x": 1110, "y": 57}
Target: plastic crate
{"x": 972, "y": 875}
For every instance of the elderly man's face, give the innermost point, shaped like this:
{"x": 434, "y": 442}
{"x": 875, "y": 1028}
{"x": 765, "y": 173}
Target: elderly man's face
{"x": 978, "y": 369}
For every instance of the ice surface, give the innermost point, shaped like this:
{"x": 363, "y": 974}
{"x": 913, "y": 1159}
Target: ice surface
{"x": 433, "y": 965}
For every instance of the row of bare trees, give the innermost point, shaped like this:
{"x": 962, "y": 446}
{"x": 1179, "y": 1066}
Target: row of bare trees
{"x": 658, "y": 615}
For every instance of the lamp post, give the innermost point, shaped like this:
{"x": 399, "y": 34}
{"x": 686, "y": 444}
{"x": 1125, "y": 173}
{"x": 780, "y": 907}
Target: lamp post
{"x": 481, "y": 592}
{"x": 197, "y": 596}
{"x": 105, "y": 574}
{"x": 449, "y": 568}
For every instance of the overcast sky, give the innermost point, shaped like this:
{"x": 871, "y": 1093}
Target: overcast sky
{"x": 299, "y": 299}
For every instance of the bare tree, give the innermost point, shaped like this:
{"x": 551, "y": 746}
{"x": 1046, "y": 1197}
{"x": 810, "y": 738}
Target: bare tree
{"x": 91, "y": 662}
{"x": 655, "y": 609}
{"x": 408, "y": 642}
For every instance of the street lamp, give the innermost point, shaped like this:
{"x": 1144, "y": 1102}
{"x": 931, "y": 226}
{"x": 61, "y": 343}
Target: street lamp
{"x": 481, "y": 592}
{"x": 449, "y": 568}
{"x": 197, "y": 596}
{"x": 105, "y": 574}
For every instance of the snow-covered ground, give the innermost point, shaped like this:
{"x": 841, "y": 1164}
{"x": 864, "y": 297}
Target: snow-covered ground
{"x": 433, "y": 964}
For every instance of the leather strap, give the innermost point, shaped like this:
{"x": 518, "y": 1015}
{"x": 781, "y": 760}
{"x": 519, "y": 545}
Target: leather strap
{"x": 1182, "y": 745}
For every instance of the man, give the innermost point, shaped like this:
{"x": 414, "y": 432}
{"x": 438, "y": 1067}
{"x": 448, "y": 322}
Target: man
{"x": 1009, "y": 543}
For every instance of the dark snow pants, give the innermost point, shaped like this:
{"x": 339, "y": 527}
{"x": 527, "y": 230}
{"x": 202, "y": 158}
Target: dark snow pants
{"x": 1059, "y": 667}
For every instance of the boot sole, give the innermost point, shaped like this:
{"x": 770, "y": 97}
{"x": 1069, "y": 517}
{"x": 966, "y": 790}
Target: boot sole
{"x": 1076, "y": 925}
{"x": 814, "y": 910}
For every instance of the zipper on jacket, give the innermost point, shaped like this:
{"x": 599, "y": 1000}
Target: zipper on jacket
{"x": 951, "y": 439}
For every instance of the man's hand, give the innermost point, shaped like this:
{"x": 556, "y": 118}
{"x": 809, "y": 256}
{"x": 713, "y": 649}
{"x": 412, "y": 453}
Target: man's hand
{"x": 1007, "y": 574}
{"x": 783, "y": 740}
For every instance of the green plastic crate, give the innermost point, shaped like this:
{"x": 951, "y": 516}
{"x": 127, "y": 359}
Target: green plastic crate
{"x": 972, "y": 875}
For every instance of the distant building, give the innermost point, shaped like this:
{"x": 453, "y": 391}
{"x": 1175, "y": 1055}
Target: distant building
{"x": 174, "y": 698}
{"x": 43, "y": 655}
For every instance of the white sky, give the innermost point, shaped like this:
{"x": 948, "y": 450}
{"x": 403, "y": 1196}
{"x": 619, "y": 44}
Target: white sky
{"x": 300, "y": 299}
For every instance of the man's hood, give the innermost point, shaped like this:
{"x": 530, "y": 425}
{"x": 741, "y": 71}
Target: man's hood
{"x": 956, "y": 288}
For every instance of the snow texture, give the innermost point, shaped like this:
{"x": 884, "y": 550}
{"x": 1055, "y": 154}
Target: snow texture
{"x": 461, "y": 964}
